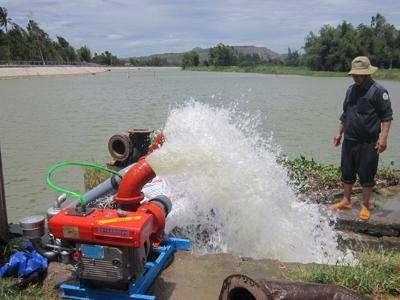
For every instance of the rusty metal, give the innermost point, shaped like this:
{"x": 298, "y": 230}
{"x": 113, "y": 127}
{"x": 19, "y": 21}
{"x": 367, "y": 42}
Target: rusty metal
{"x": 126, "y": 147}
{"x": 241, "y": 287}
{"x": 3, "y": 207}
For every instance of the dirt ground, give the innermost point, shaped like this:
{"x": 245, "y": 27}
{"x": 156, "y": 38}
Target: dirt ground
{"x": 193, "y": 277}
{"x": 201, "y": 278}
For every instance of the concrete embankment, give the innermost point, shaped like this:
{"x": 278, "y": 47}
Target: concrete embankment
{"x": 17, "y": 72}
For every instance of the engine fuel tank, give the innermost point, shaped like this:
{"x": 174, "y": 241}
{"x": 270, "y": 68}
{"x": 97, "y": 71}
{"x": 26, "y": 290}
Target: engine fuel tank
{"x": 103, "y": 227}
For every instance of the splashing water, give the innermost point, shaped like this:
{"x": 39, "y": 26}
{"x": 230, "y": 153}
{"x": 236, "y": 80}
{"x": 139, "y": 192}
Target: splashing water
{"x": 230, "y": 195}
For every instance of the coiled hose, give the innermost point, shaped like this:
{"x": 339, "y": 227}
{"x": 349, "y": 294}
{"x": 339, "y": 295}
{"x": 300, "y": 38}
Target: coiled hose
{"x": 81, "y": 198}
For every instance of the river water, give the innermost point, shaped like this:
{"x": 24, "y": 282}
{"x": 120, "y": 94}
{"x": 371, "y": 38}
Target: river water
{"x": 47, "y": 120}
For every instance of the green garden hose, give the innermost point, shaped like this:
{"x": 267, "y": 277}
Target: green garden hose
{"x": 82, "y": 200}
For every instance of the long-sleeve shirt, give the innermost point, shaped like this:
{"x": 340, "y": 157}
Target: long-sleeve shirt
{"x": 364, "y": 108}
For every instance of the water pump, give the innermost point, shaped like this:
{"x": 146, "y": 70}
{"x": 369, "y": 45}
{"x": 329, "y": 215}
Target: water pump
{"x": 111, "y": 247}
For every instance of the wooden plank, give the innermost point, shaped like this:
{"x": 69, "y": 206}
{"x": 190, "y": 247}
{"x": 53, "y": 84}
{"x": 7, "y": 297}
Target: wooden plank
{"x": 3, "y": 207}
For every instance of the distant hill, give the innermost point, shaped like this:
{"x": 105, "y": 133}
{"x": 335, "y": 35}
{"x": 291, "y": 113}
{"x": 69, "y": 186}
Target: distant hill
{"x": 176, "y": 58}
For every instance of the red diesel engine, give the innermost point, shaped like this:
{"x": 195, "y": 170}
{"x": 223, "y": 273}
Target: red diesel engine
{"x": 110, "y": 247}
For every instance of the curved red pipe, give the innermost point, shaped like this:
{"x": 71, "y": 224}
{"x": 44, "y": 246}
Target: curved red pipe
{"x": 129, "y": 192}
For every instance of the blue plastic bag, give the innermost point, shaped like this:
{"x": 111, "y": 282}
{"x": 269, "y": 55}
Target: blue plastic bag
{"x": 22, "y": 264}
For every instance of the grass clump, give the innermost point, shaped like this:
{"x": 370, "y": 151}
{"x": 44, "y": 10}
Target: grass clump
{"x": 93, "y": 177}
{"x": 32, "y": 292}
{"x": 377, "y": 273}
{"x": 388, "y": 175}
{"x": 308, "y": 175}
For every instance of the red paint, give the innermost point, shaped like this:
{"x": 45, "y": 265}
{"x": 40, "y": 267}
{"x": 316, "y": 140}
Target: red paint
{"x": 129, "y": 192}
{"x": 103, "y": 227}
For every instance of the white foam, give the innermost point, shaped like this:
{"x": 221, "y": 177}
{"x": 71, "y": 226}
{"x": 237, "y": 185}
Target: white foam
{"x": 231, "y": 195}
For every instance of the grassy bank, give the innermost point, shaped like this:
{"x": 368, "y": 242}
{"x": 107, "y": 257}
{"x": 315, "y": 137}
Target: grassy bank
{"x": 383, "y": 74}
{"x": 309, "y": 175}
{"x": 32, "y": 292}
{"x": 376, "y": 274}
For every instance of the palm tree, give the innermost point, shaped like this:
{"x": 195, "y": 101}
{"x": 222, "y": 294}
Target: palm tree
{"x": 4, "y": 19}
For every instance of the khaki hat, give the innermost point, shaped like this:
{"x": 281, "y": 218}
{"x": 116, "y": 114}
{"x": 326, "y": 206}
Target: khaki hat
{"x": 362, "y": 66}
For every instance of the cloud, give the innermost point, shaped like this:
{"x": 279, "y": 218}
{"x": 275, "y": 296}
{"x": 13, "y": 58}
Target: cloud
{"x": 149, "y": 27}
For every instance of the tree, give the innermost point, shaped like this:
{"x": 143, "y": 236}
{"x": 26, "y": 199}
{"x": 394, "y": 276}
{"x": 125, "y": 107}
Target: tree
{"x": 385, "y": 46}
{"x": 250, "y": 59}
{"x": 38, "y": 37}
{"x": 19, "y": 44}
{"x": 293, "y": 58}
{"x": 334, "y": 48}
{"x": 84, "y": 54}
{"x": 4, "y": 19}
{"x": 64, "y": 49}
{"x": 223, "y": 55}
{"x": 105, "y": 58}
{"x": 33, "y": 44}
{"x": 190, "y": 59}
{"x": 4, "y": 47}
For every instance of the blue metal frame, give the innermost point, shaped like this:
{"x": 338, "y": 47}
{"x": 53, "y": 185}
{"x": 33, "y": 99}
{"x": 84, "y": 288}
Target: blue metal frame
{"x": 137, "y": 290}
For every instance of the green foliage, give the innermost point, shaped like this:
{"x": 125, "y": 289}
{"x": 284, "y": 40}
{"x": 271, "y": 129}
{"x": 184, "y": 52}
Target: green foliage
{"x": 335, "y": 47}
{"x": 84, "y": 54}
{"x": 308, "y": 174}
{"x": 93, "y": 177}
{"x": 34, "y": 44}
{"x": 293, "y": 59}
{"x": 375, "y": 273}
{"x": 388, "y": 175}
{"x": 393, "y": 74}
{"x": 65, "y": 50}
{"x": 134, "y": 62}
{"x": 190, "y": 59}
{"x": 4, "y": 19}
{"x": 246, "y": 60}
{"x": 4, "y": 48}
{"x": 105, "y": 58}
{"x": 223, "y": 55}
{"x": 32, "y": 292}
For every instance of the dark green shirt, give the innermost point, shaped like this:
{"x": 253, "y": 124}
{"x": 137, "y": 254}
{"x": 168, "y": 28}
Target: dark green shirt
{"x": 364, "y": 109}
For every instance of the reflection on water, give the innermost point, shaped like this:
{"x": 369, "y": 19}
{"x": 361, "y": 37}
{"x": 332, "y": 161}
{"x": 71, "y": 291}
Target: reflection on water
{"x": 44, "y": 121}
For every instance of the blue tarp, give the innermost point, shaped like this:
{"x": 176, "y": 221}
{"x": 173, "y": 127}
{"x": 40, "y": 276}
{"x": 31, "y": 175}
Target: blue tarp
{"x": 22, "y": 264}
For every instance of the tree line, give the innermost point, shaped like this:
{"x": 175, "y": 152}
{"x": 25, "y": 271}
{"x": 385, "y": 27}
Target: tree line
{"x": 332, "y": 49}
{"x": 33, "y": 44}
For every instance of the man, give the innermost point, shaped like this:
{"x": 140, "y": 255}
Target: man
{"x": 365, "y": 122}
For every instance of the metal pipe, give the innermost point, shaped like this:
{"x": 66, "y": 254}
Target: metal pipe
{"x": 239, "y": 287}
{"x": 49, "y": 254}
{"x": 107, "y": 187}
{"x": 3, "y": 207}
{"x": 110, "y": 186}
{"x": 129, "y": 192}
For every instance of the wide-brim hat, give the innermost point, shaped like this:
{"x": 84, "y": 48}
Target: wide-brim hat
{"x": 362, "y": 66}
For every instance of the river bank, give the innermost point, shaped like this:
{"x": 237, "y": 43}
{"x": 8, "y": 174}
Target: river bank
{"x": 32, "y": 71}
{"x": 20, "y": 72}
{"x": 382, "y": 74}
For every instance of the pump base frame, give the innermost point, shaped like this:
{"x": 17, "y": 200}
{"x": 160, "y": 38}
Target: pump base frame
{"x": 138, "y": 289}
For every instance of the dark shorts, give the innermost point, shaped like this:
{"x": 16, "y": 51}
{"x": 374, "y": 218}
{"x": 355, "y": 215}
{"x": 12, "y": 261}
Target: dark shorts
{"x": 359, "y": 158}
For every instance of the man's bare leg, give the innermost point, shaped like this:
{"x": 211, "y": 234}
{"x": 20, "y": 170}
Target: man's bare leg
{"x": 346, "y": 201}
{"x": 365, "y": 213}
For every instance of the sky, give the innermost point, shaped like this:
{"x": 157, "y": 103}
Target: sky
{"x": 130, "y": 28}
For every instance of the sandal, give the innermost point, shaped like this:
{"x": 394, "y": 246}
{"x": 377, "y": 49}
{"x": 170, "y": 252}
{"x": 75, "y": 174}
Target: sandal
{"x": 365, "y": 214}
{"x": 341, "y": 205}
